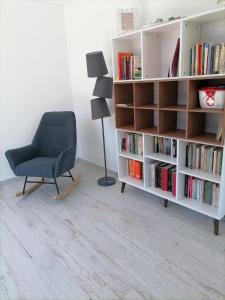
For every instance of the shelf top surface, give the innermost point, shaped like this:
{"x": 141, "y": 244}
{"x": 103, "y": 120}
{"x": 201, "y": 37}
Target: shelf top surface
{"x": 178, "y": 78}
{"x": 205, "y": 17}
{"x": 206, "y": 138}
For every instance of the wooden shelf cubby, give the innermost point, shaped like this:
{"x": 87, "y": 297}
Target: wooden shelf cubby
{"x": 146, "y": 120}
{"x": 202, "y": 127}
{"x": 173, "y": 95}
{"x": 145, "y": 95}
{"x": 125, "y": 118}
{"x": 124, "y": 94}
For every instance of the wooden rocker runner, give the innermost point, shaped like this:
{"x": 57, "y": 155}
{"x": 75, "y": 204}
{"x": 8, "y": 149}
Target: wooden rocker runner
{"x": 59, "y": 195}
{"x": 50, "y": 155}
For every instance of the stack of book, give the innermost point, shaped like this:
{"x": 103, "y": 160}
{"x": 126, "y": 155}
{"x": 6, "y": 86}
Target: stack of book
{"x": 206, "y": 58}
{"x": 129, "y": 66}
{"x": 135, "y": 169}
{"x": 205, "y": 191}
{"x": 165, "y": 146}
{"x": 206, "y": 158}
{"x": 132, "y": 143}
{"x": 163, "y": 176}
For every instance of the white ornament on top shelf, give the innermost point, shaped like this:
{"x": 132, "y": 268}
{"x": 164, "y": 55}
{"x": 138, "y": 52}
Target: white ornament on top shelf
{"x": 127, "y": 20}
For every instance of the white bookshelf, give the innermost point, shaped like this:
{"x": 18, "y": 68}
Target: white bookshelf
{"x": 156, "y": 47}
{"x": 179, "y": 161}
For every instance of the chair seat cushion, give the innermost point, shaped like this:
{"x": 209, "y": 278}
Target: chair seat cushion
{"x": 37, "y": 167}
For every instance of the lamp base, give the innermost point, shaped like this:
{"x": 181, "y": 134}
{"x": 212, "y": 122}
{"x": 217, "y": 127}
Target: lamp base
{"x": 106, "y": 181}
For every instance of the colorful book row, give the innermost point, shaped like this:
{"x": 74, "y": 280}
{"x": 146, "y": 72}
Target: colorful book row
{"x": 129, "y": 66}
{"x": 206, "y": 158}
{"x": 132, "y": 143}
{"x": 206, "y": 58}
{"x": 165, "y": 146}
{"x": 204, "y": 191}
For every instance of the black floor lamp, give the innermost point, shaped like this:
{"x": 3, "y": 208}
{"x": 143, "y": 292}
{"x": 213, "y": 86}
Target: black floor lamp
{"x": 96, "y": 67}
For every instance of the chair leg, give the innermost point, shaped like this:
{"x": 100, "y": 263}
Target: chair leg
{"x": 71, "y": 175}
{"x": 24, "y": 186}
{"x": 57, "y": 188}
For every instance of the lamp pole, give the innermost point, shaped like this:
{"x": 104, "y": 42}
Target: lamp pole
{"x": 103, "y": 137}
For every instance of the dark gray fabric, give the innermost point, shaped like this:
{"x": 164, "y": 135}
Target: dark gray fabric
{"x": 103, "y": 87}
{"x": 39, "y": 165}
{"x": 99, "y": 108}
{"x": 96, "y": 65}
{"x": 53, "y": 148}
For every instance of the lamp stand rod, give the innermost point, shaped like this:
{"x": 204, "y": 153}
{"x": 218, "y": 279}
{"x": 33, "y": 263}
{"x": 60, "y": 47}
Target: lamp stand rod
{"x": 105, "y": 181}
{"x": 103, "y": 137}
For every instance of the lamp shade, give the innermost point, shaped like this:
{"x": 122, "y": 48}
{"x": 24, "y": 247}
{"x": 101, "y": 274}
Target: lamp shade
{"x": 96, "y": 66}
{"x": 99, "y": 108}
{"x": 103, "y": 87}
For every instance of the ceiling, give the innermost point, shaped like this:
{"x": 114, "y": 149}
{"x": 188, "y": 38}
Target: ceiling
{"x": 60, "y": 2}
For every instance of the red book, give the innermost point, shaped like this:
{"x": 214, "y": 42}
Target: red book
{"x": 121, "y": 55}
{"x": 174, "y": 183}
{"x": 138, "y": 169}
{"x": 131, "y": 167}
{"x": 199, "y": 55}
{"x": 165, "y": 175}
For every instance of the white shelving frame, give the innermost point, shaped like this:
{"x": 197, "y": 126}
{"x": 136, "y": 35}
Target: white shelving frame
{"x": 159, "y": 41}
{"x": 156, "y": 46}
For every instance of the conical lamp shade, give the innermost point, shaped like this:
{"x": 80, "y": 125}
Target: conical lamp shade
{"x": 96, "y": 65}
{"x": 103, "y": 87}
{"x": 99, "y": 108}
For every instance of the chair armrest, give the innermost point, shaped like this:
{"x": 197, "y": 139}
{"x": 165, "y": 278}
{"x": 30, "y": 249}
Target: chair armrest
{"x": 65, "y": 161}
{"x": 19, "y": 155}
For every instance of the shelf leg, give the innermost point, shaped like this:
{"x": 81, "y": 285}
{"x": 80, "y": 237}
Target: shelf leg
{"x": 123, "y": 187}
{"x": 165, "y": 203}
{"x": 216, "y": 226}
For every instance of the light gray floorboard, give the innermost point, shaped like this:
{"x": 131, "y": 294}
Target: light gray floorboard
{"x": 100, "y": 244}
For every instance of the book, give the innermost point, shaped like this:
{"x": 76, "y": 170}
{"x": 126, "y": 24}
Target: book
{"x": 173, "y": 70}
{"x": 165, "y": 177}
{"x": 220, "y": 130}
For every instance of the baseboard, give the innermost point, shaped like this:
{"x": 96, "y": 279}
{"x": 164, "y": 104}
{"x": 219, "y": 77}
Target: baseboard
{"x": 114, "y": 173}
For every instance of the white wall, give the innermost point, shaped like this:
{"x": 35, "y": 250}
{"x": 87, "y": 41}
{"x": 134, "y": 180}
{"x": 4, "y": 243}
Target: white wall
{"x": 89, "y": 27}
{"x": 34, "y": 74}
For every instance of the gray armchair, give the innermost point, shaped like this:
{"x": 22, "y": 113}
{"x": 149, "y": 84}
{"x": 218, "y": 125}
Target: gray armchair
{"x": 52, "y": 151}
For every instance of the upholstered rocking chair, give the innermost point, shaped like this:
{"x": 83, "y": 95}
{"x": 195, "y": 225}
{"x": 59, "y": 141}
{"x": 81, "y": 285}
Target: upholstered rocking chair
{"x": 50, "y": 155}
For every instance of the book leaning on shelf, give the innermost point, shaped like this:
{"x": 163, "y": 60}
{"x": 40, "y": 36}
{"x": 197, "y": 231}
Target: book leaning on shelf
{"x": 206, "y": 58}
{"x": 204, "y": 191}
{"x": 129, "y": 66}
{"x": 205, "y": 158}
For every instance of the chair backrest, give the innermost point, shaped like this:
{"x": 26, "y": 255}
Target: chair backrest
{"x": 55, "y": 133}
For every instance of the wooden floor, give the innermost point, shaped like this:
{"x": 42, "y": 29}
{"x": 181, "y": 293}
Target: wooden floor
{"x": 100, "y": 244}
